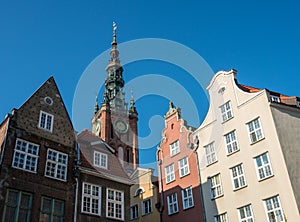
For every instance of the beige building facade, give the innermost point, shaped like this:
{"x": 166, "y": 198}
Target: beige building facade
{"x": 249, "y": 153}
{"x": 143, "y": 196}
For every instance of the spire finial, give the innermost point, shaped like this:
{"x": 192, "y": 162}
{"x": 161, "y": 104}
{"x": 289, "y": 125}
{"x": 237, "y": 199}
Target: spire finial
{"x": 131, "y": 92}
{"x": 96, "y": 107}
{"x": 171, "y": 105}
{"x": 114, "y": 33}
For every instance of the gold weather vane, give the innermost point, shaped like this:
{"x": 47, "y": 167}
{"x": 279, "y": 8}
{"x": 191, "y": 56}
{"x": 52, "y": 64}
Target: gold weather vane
{"x": 115, "y": 32}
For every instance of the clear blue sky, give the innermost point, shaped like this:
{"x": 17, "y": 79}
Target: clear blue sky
{"x": 61, "y": 38}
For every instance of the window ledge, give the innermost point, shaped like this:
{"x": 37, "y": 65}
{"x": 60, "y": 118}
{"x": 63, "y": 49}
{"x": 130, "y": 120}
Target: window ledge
{"x": 207, "y": 165}
{"x": 217, "y": 197}
{"x": 229, "y": 154}
{"x": 224, "y": 121}
{"x": 237, "y": 189}
{"x": 265, "y": 178}
{"x": 257, "y": 141}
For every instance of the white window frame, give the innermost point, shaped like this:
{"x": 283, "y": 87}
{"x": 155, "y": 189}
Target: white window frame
{"x": 170, "y": 173}
{"x": 90, "y": 197}
{"x": 184, "y": 168}
{"x": 114, "y": 203}
{"x": 147, "y": 206}
{"x": 58, "y": 162}
{"x": 187, "y": 198}
{"x": 263, "y": 171}
{"x": 172, "y": 201}
{"x": 231, "y": 142}
{"x": 27, "y": 151}
{"x": 275, "y": 99}
{"x": 216, "y": 189}
{"x": 174, "y": 148}
{"x": 210, "y": 153}
{"x": 255, "y": 130}
{"x": 134, "y": 212}
{"x": 238, "y": 175}
{"x": 226, "y": 111}
{"x": 45, "y": 125}
{"x": 273, "y": 207}
{"x": 246, "y": 214}
{"x": 221, "y": 218}
{"x": 100, "y": 159}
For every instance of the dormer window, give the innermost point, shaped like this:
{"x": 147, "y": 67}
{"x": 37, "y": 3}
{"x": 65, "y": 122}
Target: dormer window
{"x": 100, "y": 159}
{"x": 46, "y": 121}
{"x": 275, "y": 99}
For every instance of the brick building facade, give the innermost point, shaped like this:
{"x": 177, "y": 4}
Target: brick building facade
{"x": 38, "y": 151}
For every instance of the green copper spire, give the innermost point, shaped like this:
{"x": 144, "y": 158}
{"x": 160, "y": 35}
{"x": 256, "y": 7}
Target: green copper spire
{"x": 114, "y": 82}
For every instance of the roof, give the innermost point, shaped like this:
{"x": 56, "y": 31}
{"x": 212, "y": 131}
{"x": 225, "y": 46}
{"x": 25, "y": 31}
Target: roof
{"x": 282, "y": 99}
{"x": 89, "y": 143}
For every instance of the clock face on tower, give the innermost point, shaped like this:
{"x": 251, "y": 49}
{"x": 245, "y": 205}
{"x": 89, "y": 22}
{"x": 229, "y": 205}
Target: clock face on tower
{"x": 121, "y": 126}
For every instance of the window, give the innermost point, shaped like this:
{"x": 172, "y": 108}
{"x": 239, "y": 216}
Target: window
{"x": 172, "y": 203}
{"x": 134, "y": 212}
{"x": 187, "y": 198}
{"x": 238, "y": 177}
{"x": 17, "y": 206}
{"x": 226, "y": 111}
{"x": 255, "y": 130}
{"x": 174, "y": 148}
{"x": 273, "y": 209}
{"x": 184, "y": 167}
{"x": 100, "y": 159}
{"x": 56, "y": 165}
{"x": 25, "y": 155}
{"x": 115, "y": 204}
{"x": 147, "y": 206}
{"x": 170, "y": 176}
{"x": 216, "y": 186}
{"x": 231, "y": 142}
{"x": 245, "y": 214}
{"x": 210, "y": 153}
{"x": 52, "y": 210}
{"x": 46, "y": 121}
{"x": 221, "y": 218}
{"x": 275, "y": 99}
{"x": 91, "y": 199}
{"x": 263, "y": 166}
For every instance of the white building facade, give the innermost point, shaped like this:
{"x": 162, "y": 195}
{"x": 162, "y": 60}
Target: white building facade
{"x": 248, "y": 153}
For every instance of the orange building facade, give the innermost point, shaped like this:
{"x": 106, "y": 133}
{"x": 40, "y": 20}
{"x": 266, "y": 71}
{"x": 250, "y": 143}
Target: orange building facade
{"x": 179, "y": 179}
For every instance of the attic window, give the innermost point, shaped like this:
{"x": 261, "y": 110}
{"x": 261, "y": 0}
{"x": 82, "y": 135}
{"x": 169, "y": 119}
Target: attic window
{"x": 275, "y": 99}
{"x": 139, "y": 191}
{"x": 46, "y": 121}
{"x": 100, "y": 159}
{"x": 48, "y": 100}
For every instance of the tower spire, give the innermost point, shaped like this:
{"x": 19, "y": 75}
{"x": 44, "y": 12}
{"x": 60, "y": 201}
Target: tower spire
{"x": 114, "y": 82}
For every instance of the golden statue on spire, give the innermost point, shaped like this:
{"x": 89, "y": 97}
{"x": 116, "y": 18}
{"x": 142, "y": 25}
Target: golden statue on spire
{"x": 115, "y": 32}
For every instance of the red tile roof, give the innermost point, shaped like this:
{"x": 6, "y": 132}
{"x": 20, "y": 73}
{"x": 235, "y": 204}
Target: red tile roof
{"x": 88, "y": 144}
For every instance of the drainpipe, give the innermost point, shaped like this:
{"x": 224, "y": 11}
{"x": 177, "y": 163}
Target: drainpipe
{"x": 199, "y": 176}
{"x": 162, "y": 205}
{"x": 4, "y": 143}
{"x": 76, "y": 179}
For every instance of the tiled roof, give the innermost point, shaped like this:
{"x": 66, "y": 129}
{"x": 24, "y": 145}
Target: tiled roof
{"x": 88, "y": 144}
{"x": 248, "y": 88}
{"x": 282, "y": 99}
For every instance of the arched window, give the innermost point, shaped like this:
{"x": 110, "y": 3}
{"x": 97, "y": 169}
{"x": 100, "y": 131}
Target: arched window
{"x": 121, "y": 154}
{"x": 139, "y": 191}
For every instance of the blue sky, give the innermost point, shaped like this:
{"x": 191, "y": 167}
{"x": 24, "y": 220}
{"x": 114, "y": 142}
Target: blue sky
{"x": 39, "y": 39}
